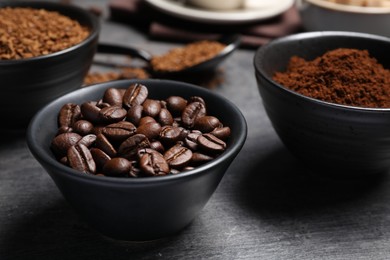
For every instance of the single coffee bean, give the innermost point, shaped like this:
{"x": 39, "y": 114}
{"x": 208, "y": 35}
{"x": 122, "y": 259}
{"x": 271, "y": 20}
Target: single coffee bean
{"x": 88, "y": 140}
{"x": 120, "y": 131}
{"x": 158, "y": 146}
{"x": 69, "y": 113}
{"x": 221, "y": 132}
{"x": 62, "y": 142}
{"x": 211, "y": 143}
{"x": 200, "y": 158}
{"x": 197, "y": 99}
{"x": 150, "y": 130}
{"x": 129, "y": 148}
{"x": 146, "y": 120}
{"x": 135, "y": 94}
{"x": 112, "y": 114}
{"x": 152, "y": 163}
{"x": 178, "y": 156}
{"x": 90, "y": 111}
{"x": 206, "y": 124}
{"x": 83, "y": 127}
{"x": 117, "y": 167}
{"x": 176, "y": 104}
{"x": 151, "y": 107}
{"x": 114, "y": 96}
{"x": 191, "y": 140}
{"x": 134, "y": 114}
{"x": 191, "y": 112}
{"x": 104, "y": 144}
{"x": 80, "y": 159}
{"x": 165, "y": 117}
{"x": 99, "y": 157}
{"x": 171, "y": 134}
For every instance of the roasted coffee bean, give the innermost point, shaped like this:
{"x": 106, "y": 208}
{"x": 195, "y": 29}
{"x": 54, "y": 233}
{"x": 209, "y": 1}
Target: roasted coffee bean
{"x": 146, "y": 120}
{"x": 120, "y": 131}
{"x": 62, "y": 142}
{"x": 90, "y": 111}
{"x": 221, "y": 132}
{"x": 197, "y": 99}
{"x": 88, "y": 140}
{"x": 206, "y": 124}
{"x": 69, "y": 113}
{"x": 104, "y": 144}
{"x": 135, "y": 94}
{"x": 83, "y": 127}
{"x": 129, "y": 148}
{"x": 171, "y": 134}
{"x": 200, "y": 158}
{"x": 114, "y": 96}
{"x": 80, "y": 159}
{"x": 99, "y": 157}
{"x": 134, "y": 114}
{"x": 211, "y": 143}
{"x": 152, "y": 163}
{"x": 158, "y": 146}
{"x": 165, "y": 117}
{"x": 150, "y": 130}
{"x": 191, "y": 140}
{"x": 112, "y": 114}
{"x": 97, "y": 130}
{"x": 151, "y": 107}
{"x": 176, "y": 105}
{"x": 191, "y": 112}
{"x": 64, "y": 129}
{"x": 100, "y": 104}
{"x": 117, "y": 167}
{"x": 178, "y": 156}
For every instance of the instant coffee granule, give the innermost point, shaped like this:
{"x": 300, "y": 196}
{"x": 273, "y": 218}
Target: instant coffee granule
{"x": 343, "y": 76}
{"x": 183, "y": 57}
{"x": 27, "y": 32}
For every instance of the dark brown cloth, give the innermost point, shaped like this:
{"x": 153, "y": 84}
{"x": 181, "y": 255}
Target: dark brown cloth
{"x": 158, "y": 25}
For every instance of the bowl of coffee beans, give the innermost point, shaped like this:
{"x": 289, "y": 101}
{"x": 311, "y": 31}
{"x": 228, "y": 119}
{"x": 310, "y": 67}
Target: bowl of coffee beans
{"x": 46, "y": 50}
{"x": 137, "y": 159}
{"x": 327, "y": 95}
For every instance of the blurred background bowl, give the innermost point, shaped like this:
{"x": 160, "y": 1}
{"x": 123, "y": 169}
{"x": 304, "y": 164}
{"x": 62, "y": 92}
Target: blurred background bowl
{"x": 325, "y": 136}
{"x": 28, "y": 84}
{"x": 322, "y": 15}
{"x": 138, "y": 208}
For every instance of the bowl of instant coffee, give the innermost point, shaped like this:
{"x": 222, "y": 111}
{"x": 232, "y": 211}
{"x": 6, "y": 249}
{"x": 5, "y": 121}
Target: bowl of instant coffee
{"x": 46, "y": 51}
{"x": 327, "y": 95}
{"x": 137, "y": 159}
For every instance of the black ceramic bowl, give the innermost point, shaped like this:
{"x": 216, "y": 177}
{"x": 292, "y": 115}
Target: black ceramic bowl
{"x": 327, "y": 137}
{"x": 141, "y": 208}
{"x": 29, "y": 84}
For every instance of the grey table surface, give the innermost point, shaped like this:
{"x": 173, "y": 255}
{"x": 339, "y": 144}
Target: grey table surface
{"x": 267, "y": 206}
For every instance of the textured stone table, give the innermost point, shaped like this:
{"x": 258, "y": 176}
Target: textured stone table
{"x": 268, "y": 206}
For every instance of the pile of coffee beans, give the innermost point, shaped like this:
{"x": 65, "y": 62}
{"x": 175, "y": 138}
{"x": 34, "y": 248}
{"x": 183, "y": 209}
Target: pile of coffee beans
{"x": 128, "y": 134}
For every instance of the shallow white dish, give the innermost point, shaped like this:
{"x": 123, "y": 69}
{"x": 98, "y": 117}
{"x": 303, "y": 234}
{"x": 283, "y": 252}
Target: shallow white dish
{"x": 253, "y": 10}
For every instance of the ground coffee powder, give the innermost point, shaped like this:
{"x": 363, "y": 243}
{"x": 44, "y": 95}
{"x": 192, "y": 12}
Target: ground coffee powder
{"x": 343, "y": 76}
{"x": 26, "y": 32}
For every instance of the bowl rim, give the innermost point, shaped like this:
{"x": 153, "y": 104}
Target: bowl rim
{"x": 57, "y": 6}
{"x": 259, "y": 71}
{"x": 349, "y": 8}
{"x": 41, "y": 155}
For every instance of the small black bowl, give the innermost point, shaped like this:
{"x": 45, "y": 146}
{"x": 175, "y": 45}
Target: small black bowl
{"x": 28, "y": 84}
{"x": 141, "y": 208}
{"x": 328, "y": 137}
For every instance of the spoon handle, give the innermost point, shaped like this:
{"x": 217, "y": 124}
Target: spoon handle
{"x": 125, "y": 50}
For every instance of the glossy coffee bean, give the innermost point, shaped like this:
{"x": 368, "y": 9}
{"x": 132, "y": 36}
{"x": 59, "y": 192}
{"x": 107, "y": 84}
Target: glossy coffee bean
{"x": 61, "y": 143}
{"x": 150, "y": 130}
{"x": 191, "y": 140}
{"x": 135, "y": 94}
{"x": 192, "y": 112}
{"x": 69, "y": 114}
{"x": 165, "y": 117}
{"x": 117, "y": 167}
{"x": 114, "y": 96}
{"x": 90, "y": 111}
{"x": 88, "y": 140}
{"x": 129, "y": 148}
{"x": 80, "y": 159}
{"x": 200, "y": 158}
{"x": 134, "y": 114}
{"x": 99, "y": 157}
{"x": 211, "y": 143}
{"x": 83, "y": 127}
{"x": 119, "y": 131}
{"x": 221, "y": 132}
{"x": 152, "y": 163}
{"x": 151, "y": 107}
{"x": 172, "y": 134}
{"x": 105, "y": 145}
{"x": 176, "y": 104}
{"x": 112, "y": 114}
{"x": 206, "y": 123}
{"x": 178, "y": 156}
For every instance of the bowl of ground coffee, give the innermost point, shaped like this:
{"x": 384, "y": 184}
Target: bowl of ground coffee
{"x": 137, "y": 159}
{"x": 327, "y": 95}
{"x": 46, "y": 50}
